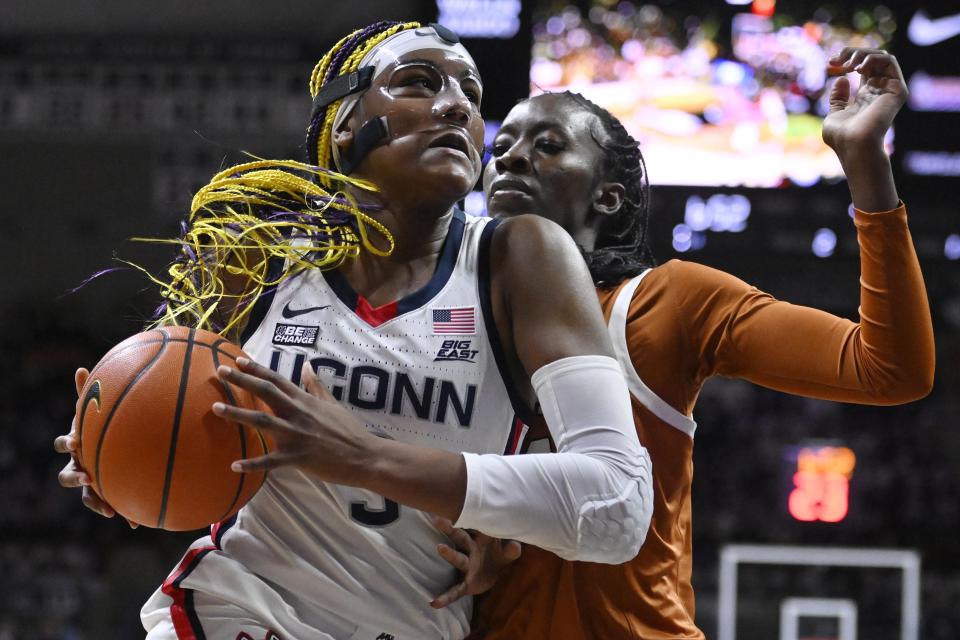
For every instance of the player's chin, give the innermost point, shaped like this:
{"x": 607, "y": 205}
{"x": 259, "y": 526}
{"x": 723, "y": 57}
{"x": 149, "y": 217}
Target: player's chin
{"x": 451, "y": 184}
{"x": 452, "y": 162}
{"x": 506, "y": 204}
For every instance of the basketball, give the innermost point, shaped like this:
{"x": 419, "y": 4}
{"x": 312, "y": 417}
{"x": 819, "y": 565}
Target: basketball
{"x": 149, "y": 439}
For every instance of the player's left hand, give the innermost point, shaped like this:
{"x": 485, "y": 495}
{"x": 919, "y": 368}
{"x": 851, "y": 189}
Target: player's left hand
{"x": 851, "y": 124}
{"x": 73, "y": 474}
{"x": 480, "y": 559}
{"x": 309, "y": 428}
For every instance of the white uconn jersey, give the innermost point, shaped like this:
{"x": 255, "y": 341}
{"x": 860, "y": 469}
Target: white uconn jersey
{"x": 420, "y": 370}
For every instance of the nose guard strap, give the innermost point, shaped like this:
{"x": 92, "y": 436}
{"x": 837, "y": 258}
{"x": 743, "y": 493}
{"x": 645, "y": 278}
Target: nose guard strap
{"x": 371, "y": 135}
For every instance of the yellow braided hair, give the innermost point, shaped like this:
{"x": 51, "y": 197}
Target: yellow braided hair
{"x": 258, "y": 224}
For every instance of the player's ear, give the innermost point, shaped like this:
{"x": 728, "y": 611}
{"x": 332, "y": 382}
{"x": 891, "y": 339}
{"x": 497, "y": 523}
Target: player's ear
{"x": 343, "y": 135}
{"x": 608, "y": 197}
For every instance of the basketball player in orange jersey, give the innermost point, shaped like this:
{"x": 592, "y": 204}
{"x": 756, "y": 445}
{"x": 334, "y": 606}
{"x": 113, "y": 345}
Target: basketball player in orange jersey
{"x": 392, "y": 414}
{"x": 677, "y": 324}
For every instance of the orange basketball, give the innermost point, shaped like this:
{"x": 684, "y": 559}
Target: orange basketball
{"x": 149, "y": 439}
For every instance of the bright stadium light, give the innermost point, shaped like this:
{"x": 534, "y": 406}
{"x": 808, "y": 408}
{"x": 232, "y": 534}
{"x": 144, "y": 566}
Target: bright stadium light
{"x": 480, "y": 18}
{"x": 682, "y": 238}
{"x": 951, "y": 248}
{"x": 824, "y": 242}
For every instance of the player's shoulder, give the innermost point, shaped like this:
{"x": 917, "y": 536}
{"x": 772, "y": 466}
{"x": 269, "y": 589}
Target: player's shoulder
{"x": 685, "y": 288}
{"x": 670, "y": 278}
{"x": 692, "y": 276}
{"x": 677, "y": 269}
{"x": 530, "y": 231}
{"x": 531, "y": 244}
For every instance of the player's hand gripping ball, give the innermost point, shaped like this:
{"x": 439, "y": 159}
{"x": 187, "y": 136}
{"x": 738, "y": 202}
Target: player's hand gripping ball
{"x": 148, "y": 439}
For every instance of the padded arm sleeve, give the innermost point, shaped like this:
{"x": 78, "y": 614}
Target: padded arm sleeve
{"x": 593, "y": 499}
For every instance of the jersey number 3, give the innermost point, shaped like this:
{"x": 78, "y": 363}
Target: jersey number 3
{"x": 360, "y": 512}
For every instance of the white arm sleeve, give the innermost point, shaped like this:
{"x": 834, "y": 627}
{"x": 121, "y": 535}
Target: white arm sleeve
{"x": 592, "y": 500}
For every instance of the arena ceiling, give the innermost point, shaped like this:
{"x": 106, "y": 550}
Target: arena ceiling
{"x": 216, "y": 18}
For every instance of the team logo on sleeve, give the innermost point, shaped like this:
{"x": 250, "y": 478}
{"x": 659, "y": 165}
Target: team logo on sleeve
{"x": 295, "y": 334}
{"x": 456, "y": 350}
{"x": 455, "y": 321}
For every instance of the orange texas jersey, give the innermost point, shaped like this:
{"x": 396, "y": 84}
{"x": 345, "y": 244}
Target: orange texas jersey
{"x": 684, "y": 323}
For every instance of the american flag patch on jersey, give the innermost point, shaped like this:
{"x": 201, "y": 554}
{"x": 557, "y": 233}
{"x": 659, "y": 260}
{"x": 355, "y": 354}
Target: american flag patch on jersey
{"x": 457, "y": 320}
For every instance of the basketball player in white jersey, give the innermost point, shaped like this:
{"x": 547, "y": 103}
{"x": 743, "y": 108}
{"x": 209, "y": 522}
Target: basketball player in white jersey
{"x": 428, "y": 358}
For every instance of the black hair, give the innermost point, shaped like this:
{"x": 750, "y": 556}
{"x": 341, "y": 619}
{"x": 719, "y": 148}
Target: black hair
{"x": 621, "y": 250}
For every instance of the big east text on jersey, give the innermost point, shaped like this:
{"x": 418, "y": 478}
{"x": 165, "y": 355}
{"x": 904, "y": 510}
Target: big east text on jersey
{"x": 376, "y": 389}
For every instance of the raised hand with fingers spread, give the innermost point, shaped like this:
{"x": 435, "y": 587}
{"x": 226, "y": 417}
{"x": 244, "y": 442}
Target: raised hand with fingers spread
{"x": 855, "y": 127}
{"x": 881, "y": 94}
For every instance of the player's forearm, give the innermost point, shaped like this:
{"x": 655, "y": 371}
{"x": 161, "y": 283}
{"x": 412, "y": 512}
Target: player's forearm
{"x": 581, "y": 506}
{"x": 431, "y": 480}
{"x": 869, "y": 176}
{"x": 888, "y": 358}
{"x": 591, "y": 501}
{"x": 895, "y": 350}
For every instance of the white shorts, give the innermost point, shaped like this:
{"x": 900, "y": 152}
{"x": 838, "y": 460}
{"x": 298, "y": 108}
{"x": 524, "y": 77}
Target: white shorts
{"x": 210, "y": 597}
{"x": 210, "y": 619}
